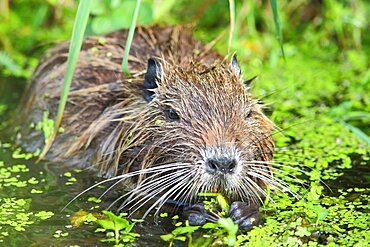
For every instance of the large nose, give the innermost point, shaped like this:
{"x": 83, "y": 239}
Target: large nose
{"x": 220, "y": 165}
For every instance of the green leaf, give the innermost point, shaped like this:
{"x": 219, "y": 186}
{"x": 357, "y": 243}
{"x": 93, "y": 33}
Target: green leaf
{"x": 110, "y": 215}
{"x": 106, "y": 224}
{"x": 223, "y": 203}
{"x": 94, "y": 199}
{"x": 210, "y": 225}
{"x": 185, "y": 229}
{"x": 122, "y": 224}
{"x": 129, "y": 227}
{"x": 181, "y": 238}
{"x": 302, "y": 232}
{"x": 44, "y": 215}
{"x": 321, "y": 213}
{"x": 90, "y": 218}
{"x": 167, "y": 237}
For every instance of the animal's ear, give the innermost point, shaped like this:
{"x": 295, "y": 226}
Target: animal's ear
{"x": 247, "y": 83}
{"x": 152, "y": 77}
{"x": 235, "y": 67}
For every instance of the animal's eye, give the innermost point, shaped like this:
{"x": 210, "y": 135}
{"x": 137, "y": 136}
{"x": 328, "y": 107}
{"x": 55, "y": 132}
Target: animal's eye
{"x": 172, "y": 114}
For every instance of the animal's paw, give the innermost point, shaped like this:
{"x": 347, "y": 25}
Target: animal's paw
{"x": 197, "y": 215}
{"x": 245, "y": 214}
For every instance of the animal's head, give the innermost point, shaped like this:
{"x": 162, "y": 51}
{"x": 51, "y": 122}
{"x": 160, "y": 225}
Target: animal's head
{"x": 211, "y": 133}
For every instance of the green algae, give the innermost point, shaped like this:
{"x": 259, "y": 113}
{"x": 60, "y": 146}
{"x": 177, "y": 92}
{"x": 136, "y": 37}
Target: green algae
{"x": 15, "y": 212}
{"x": 15, "y": 215}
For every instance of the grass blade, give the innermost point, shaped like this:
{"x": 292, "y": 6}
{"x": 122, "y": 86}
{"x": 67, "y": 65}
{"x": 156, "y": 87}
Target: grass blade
{"x": 232, "y": 23}
{"x": 275, "y": 11}
{"x": 79, "y": 27}
{"x": 129, "y": 38}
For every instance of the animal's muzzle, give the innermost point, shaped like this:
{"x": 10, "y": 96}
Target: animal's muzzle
{"x": 222, "y": 165}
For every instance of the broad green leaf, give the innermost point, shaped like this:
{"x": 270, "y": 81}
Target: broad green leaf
{"x": 106, "y": 224}
{"x": 185, "y": 229}
{"x": 167, "y": 237}
{"x": 210, "y": 225}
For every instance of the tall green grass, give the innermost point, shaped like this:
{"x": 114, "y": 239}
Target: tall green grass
{"x": 275, "y": 11}
{"x": 130, "y": 38}
{"x": 79, "y": 27}
{"x": 232, "y": 23}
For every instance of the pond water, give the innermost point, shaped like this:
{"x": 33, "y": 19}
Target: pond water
{"x": 30, "y": 191}
{"x": 56, "y": 193}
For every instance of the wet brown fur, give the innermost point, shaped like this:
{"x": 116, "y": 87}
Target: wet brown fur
{"x": 109, "y": 126}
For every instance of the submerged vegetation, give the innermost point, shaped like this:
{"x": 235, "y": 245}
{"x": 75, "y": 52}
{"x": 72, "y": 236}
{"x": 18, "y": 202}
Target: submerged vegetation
{"x": 319, "y": 97}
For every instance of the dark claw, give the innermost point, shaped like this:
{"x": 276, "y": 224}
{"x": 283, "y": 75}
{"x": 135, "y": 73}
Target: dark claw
{"x": 245, "y": 214}
{"x": 198, "y": 215}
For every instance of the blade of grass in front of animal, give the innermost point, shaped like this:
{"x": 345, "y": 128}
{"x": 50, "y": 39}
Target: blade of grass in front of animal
{"x": 129, "y": 38}
{"x": 232, "y": 23}
{"x": 275, "y": 11}
{"x": 79, "y": 27}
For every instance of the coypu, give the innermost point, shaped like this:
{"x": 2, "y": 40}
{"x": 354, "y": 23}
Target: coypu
{"x": 184, "y": 122}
